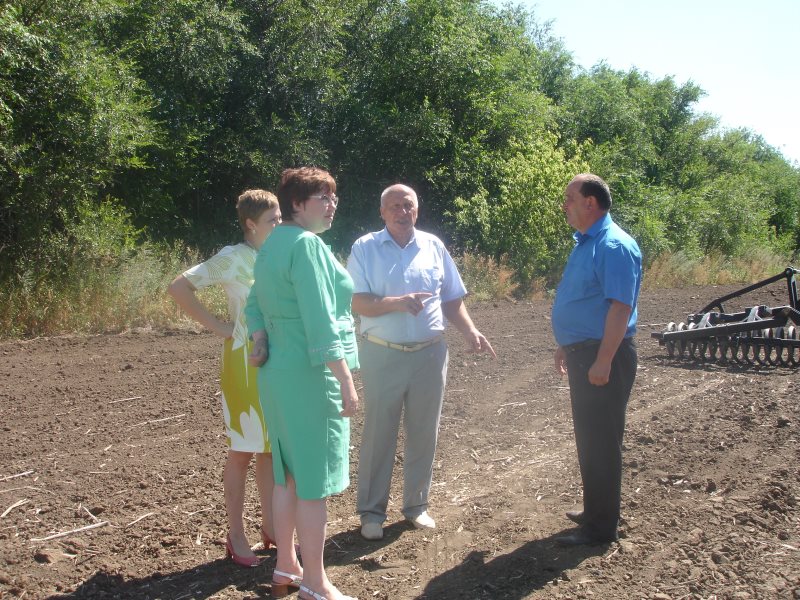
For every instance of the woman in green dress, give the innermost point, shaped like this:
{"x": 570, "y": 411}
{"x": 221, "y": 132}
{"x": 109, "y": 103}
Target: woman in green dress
{"x": 298, "y": 314}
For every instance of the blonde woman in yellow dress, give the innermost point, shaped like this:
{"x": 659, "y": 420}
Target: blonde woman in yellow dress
{"x": 232, "y": 268}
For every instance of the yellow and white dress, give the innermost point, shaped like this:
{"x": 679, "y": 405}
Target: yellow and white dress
{"x": 232, "y": 268}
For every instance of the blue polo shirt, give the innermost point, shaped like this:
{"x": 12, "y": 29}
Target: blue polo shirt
{"x": 605, "y": 265}
{"x": 379, "y": 266}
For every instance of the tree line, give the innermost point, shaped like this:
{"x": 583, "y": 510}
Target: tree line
{"x": 141, "y": 120}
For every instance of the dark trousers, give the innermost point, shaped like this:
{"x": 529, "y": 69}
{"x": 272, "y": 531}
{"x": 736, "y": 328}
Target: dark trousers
{"x": 598, "y": 414}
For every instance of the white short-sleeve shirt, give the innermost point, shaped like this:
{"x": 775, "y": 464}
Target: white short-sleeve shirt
{"x": 379, "y": 266}
{"x": 232, "y": 268}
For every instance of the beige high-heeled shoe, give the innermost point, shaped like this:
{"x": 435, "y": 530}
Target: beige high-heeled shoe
{"x": 281, "y": 589}
{"x": 312, "y": 595}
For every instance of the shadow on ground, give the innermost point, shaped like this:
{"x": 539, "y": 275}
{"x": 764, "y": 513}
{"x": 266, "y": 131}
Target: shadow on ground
{"x": 509, "y": 576}
{"x": 203, "y": 581}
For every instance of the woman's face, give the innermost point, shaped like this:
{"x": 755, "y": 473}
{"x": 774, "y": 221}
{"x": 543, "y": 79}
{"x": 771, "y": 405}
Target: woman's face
{"x": 263, "y": 226}
{"x": 317, "y": 212}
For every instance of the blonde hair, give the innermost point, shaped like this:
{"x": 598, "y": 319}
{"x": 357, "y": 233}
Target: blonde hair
{"x": 252, "y": 203}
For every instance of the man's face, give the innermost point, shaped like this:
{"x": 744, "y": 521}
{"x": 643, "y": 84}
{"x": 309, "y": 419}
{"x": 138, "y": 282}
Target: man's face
{"x": 399, "y": 212}
{"x": 576, "y": 206}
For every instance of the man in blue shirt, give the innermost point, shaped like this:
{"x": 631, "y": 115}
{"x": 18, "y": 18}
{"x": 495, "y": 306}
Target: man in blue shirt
{"x": 594, "y": 321}
{"x": 405, "y": 284}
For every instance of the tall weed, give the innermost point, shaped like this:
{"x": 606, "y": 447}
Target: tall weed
{"x": 105, "y": 295}
{"x": 678, "y": 269}
{"x": 128, "y": 290}
{"x": 486, "y": 278}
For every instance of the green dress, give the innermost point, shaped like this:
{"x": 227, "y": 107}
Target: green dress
{"x": 301, "y": 297}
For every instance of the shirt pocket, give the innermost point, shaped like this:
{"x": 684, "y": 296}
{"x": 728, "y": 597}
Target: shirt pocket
{"x": 430, "y": 278}
{"x": 580, "y": 281}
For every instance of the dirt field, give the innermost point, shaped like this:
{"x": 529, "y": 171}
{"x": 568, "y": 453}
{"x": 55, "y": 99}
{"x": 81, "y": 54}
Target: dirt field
{"x": 125, "y": 432}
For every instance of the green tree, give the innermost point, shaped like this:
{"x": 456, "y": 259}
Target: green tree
{"x": 523, "y": 223}
{"x": 72, "y": 115}
{"x": 437, "y": 96}
{"x": 145, "y": 119}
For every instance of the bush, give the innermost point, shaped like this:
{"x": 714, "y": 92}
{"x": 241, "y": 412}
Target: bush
{"x": 522, "y": 221}
{"x": 95, "y": 276}
{"x": 486, "y": 278}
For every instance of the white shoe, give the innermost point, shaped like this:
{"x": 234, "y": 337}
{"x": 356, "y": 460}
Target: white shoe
{"x": 423, "y": 521}
{"x": 372, "y": 531}
{"x": 312, "y": 595}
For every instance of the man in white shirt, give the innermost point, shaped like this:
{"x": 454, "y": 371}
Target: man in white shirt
{"x": 405, "y": 286}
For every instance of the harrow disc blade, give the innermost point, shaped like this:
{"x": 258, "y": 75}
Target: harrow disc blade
{"x": 671, "y": 344}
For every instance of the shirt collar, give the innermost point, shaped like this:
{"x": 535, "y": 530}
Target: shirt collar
{"x": 384, "y": 236}
{"x": 602, "y": 223}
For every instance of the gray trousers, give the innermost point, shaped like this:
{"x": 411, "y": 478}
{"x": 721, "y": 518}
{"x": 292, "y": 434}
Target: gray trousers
{"x": 395, "y": 382}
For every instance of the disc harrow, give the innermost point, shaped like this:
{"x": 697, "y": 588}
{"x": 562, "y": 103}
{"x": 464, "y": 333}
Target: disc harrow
{"x": 759, "y": 335}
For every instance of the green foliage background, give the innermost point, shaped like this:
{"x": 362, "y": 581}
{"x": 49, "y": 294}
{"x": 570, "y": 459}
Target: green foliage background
{"x": 129, "y": 125}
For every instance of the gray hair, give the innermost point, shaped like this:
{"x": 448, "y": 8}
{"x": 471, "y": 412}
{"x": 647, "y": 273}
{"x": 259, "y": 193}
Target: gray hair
{"x": 399, "y": 187}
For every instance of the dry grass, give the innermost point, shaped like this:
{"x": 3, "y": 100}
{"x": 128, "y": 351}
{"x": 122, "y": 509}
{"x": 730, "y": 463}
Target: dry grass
{"x": 486, "y": 278}
{"x": 110, "y": 295}
{"x": 672, "y": 270}
{"x": 118, "y": 294}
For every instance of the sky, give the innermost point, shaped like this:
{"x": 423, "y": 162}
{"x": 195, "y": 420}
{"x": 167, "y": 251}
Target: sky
{"x": 744, "y": 54}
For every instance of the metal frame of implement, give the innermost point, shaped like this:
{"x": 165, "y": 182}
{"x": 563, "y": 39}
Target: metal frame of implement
{"x": 756, "y": 335}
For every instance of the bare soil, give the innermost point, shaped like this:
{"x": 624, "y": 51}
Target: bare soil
{"x": 125, "y": 432}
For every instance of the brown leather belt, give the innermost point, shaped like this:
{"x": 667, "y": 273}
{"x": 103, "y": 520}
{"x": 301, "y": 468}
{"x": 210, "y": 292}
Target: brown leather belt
{"x": 402, "y": 347}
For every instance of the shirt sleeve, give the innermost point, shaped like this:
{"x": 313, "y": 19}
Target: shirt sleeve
{"x": 312, "y": 274}
{"x": 217, "y": 269}
{"x": 453, "y": 286}
{"x": 619, "y": 268}
{"x": 356, "y": 268}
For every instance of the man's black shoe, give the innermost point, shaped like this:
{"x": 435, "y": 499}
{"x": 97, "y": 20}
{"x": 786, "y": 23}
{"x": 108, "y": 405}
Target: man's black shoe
{"x": 581, "y": 539}
{"x": 576, "y": 516}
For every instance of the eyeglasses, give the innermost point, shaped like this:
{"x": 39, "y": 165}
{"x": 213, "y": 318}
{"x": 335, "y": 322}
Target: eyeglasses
{"x": 328, "y": 199}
